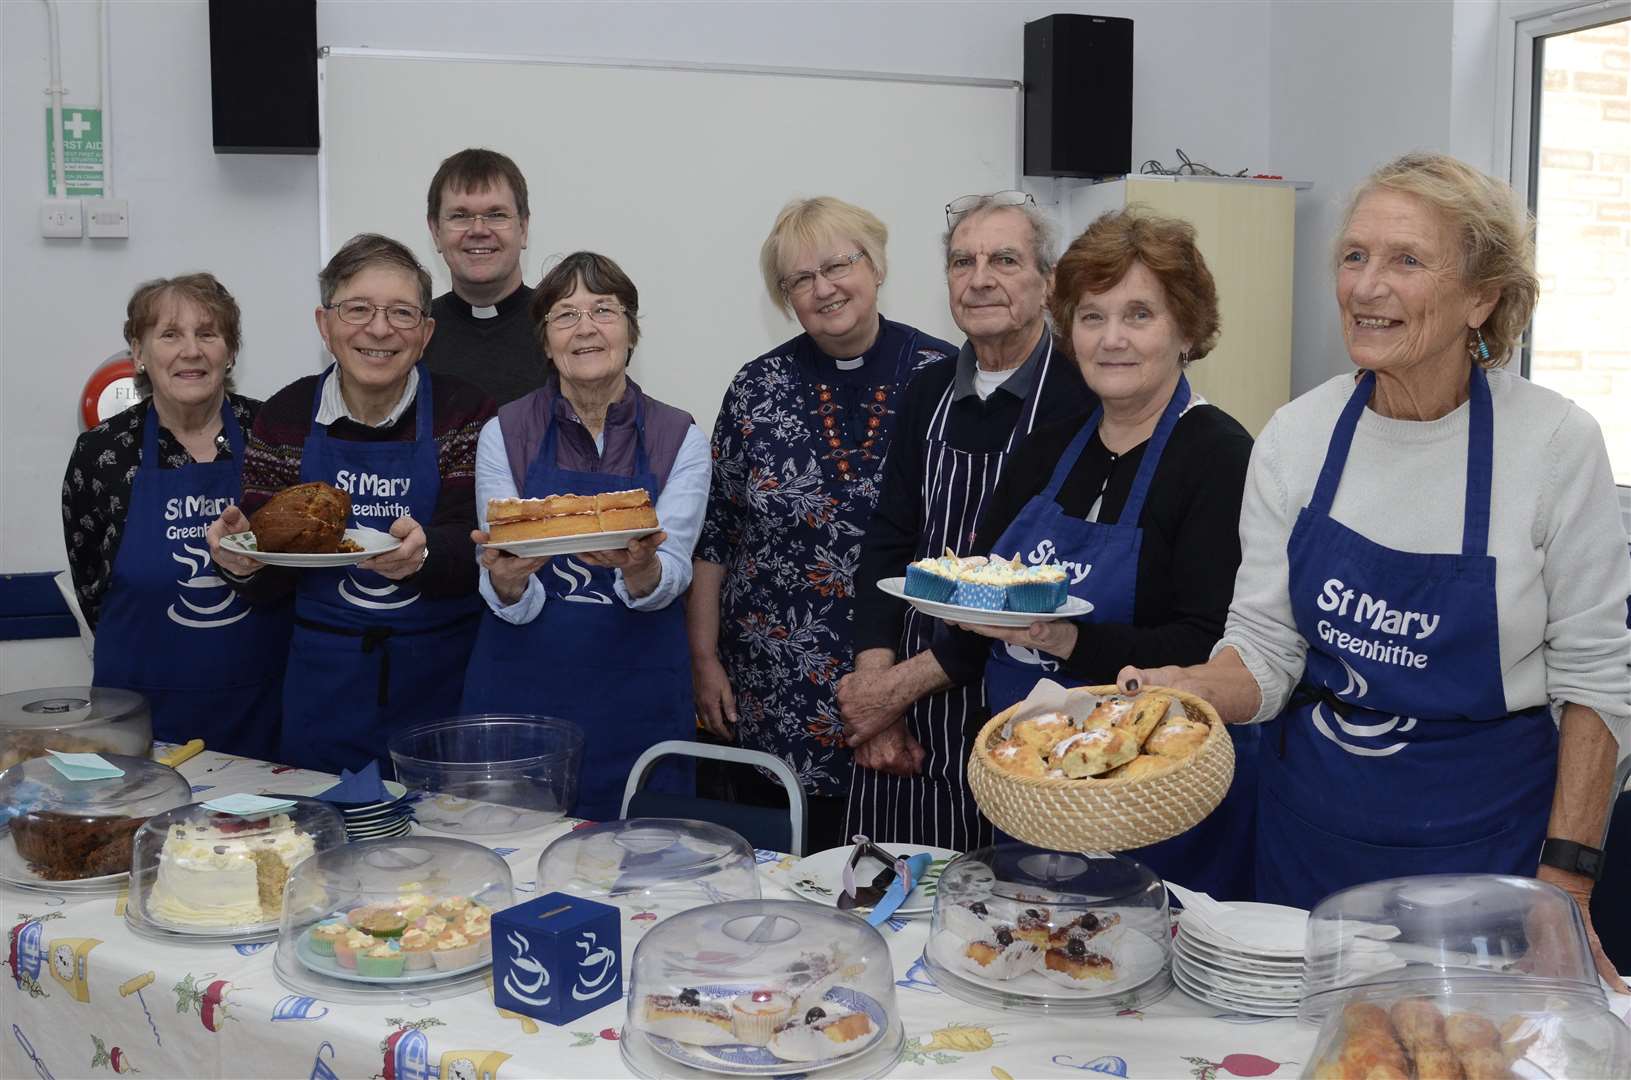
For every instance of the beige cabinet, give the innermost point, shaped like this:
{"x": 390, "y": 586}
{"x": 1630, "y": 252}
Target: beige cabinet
{"x": 1245, "y": 229}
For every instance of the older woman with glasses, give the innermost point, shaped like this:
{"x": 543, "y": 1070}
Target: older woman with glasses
{"x": 598, "y": 638}
{"x": 382, "y": 644}
{"x": 799, "y": 449}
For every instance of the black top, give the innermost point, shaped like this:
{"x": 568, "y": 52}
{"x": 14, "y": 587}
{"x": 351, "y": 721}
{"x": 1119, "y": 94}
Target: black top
{"x": 1186, "y": 564}
{"x": 971, "y": 424}
{"x": 96, "y": 491}
{"x": 498, "y": 355}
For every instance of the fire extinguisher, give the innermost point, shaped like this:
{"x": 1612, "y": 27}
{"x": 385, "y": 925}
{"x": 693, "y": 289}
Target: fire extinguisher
{"x": 110, "y": 390}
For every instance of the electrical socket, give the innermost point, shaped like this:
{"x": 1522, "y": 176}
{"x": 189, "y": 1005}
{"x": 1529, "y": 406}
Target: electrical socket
{"x": 107, "y": 217}
{"x": 61, "y": 218}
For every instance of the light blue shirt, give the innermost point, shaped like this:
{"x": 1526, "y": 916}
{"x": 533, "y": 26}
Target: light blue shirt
{"x": 680, "y": 507}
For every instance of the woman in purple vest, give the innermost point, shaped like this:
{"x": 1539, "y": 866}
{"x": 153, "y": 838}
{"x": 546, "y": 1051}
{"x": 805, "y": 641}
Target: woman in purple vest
{"x": 598, "y": 639}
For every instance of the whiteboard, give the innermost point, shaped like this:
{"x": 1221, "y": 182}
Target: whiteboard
{"x": 677, "y": 172}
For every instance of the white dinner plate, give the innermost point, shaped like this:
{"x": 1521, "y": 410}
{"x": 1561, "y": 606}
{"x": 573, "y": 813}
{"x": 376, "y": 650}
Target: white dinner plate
{"x": 580, "y": 544}
{"x": 1137, "y": 960}
{"x": 820, "y": 877}
{"x": 1281, "y": 993}
{"x": 1231, "y": 1004}
{"x": 1262, "y": 965}
{"x": 1233, "y": 973}
{"x": 1073, "y": 608}
{"x": 1271, "y": 930}
{"x": 372, "y": 541}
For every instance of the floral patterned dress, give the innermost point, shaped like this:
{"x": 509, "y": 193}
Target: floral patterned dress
{"x": 798, "y": 461}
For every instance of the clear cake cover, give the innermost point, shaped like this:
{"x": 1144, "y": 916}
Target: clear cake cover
{"x": 762, "y": 987}
{"x": 73, "y": 720}
{"x": 651, "y": 866}
{"x": 490, "y": 773}
{"x": 1417, "y": 934}
{"x": 1020, "y": 927}
{"x": 1471, "y": 1028}
{"x": 198, "y": 871}
{"x": 405, "y": 918}
{"x": 62, "y": 830}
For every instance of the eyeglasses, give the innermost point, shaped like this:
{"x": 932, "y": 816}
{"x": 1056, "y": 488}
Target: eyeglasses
{"x": 832, "y": 270}
{"x": 459, "y": 221}
{"x": 361, "y": 313}
{"x": 567, "y": 318}
{"x": 958, "y": 208}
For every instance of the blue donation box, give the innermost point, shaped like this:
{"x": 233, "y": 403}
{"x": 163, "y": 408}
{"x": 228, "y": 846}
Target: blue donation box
{"x": 556, "y": 957}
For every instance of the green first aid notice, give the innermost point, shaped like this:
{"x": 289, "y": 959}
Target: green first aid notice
{"x": 81, "y": 137}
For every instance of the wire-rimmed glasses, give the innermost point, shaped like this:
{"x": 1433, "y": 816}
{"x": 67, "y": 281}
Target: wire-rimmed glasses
{"x": 361, "y": 313}
{"x": 568, "y": 317}
{"x": 459, "y": 221}
{"x": 800, "y": 282}
{"x": 957, "y": 208}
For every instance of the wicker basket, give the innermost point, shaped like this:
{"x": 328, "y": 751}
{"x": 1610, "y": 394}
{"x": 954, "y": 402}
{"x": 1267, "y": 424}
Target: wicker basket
{"x": 1104, "y": 815}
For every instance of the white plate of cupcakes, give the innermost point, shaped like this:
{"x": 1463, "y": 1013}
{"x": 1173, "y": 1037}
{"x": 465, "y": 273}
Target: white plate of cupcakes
{"x": 984, "y": 591}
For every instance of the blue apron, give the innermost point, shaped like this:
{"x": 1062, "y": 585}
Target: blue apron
{"x": 623, "y": 676}
{"x": 371, "y": 656}
{"x": 1397, "y": 755}
{"x": 1102, "y": 563}
{"x": 210, "y": 665}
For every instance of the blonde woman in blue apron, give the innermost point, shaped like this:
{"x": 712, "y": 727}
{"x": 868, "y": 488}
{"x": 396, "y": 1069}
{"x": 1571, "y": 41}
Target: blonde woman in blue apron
{"x": 383, "y": 644}
{"x": 596, "y": 638}
{"x": 1430, "y": 610}
{"x": 140, "y": 491}
{"x": 1139, "y": 505}
{"x": 960, "y": 424}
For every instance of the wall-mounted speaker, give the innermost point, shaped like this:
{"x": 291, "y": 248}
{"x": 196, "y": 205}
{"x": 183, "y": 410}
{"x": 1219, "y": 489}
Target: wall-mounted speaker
{"x": 263, "y": 76}
{"x": 1078, "y": 96}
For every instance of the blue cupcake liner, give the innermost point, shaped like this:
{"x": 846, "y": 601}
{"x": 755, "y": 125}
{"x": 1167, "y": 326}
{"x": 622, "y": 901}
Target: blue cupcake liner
{"x": 1037, "y": 596}
{"x": 927, "y": 585}
{"x": 986, "y": 597}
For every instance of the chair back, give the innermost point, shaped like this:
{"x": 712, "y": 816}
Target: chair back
{"x": 760, "y": 827}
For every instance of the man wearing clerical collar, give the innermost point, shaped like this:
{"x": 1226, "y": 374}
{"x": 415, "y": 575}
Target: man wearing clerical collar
{"x": 477, "y": 213}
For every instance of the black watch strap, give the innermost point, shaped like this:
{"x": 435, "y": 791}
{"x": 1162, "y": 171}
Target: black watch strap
{"x": 1572, "y": 857}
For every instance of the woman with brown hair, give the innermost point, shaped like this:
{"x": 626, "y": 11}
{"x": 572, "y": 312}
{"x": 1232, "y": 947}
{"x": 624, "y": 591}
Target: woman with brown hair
{"x": 598, "y": 639}
{"x": 1139, "y": 505}
{"x": 140, "y": 491}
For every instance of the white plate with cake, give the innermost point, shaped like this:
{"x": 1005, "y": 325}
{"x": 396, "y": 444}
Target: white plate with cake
{"x": 570, "y": 524}
{"x": 1074, "y": 970}
{"x": 356, "y": 546}
{"x": 820, "y": 877}
{"x": 1073, "y": 608}
{"x": 15, "y": 870}
{"x": 844, "y": 1024}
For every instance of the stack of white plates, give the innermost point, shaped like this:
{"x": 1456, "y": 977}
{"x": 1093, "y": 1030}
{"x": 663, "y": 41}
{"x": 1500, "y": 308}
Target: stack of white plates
{"x": 390, "y": 817}
{"x": 1247, "y": 958}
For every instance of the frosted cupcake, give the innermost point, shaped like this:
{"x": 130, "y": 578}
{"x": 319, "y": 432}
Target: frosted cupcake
{"x": 325, "y": 934}
{"x": 349, "y": 945}
{"x": 756, "y": 1015}
{"x": 414, "y": 906}
{"x": 431, "y": 924}
{"x": 931, "y": 579}
{"x": 381, "y": 922}
{"x": 1039, "y": 589}
{"x": 453, "y": 907}
{"x": 478, "y": 928}
{"x": 417, "y": 947}
{"x": 455, "y": 951}
{"x": 382, "y": 961}
{"x": 985, "y": 588}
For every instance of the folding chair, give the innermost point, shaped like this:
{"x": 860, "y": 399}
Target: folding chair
{"x": 760, "y": 826}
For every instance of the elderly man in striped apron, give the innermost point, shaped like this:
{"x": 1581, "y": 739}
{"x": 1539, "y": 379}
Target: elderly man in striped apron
{"x": 910, "y": 726}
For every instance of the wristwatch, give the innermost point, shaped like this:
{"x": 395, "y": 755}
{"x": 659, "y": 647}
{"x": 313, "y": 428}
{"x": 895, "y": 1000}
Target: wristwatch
{"x": 1572, "y": 857}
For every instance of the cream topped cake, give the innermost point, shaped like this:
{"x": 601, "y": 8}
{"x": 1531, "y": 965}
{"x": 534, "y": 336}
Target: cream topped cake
{"x": 226, "y": 873}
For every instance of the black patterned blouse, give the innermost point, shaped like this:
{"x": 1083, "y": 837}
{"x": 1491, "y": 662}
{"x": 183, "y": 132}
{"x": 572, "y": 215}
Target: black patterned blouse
{"x": 96, "y": 491}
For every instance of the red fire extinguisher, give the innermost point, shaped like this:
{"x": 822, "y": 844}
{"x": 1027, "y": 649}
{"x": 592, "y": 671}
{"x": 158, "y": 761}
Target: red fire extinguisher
{"x": 111, "y": 389}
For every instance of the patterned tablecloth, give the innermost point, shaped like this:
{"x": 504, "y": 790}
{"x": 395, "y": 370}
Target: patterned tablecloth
{"x": 218, "y": 1010}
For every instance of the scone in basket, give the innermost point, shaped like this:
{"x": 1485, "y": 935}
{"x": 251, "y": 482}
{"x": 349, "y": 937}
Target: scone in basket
{"x": 1101, "y": 813}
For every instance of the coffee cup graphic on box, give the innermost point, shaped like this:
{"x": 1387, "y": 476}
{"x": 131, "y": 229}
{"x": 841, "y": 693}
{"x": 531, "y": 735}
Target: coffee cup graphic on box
{"x": 557, "y": 957}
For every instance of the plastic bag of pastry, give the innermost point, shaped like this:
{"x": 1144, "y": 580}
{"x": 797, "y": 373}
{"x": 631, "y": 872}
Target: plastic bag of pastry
{"x": 762, "y": 987}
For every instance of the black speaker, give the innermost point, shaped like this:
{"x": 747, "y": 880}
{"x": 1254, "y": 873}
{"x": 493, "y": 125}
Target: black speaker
{"x": 263, "y": 76}
{"x": 1078, "y": 96}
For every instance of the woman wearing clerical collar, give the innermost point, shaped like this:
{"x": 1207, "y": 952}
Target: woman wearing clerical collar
{"x": 382, "y": 644}
{"x": 597, "y": 638}
{"x": 1430, "y": 609}
{"x": 799, "y": 448}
